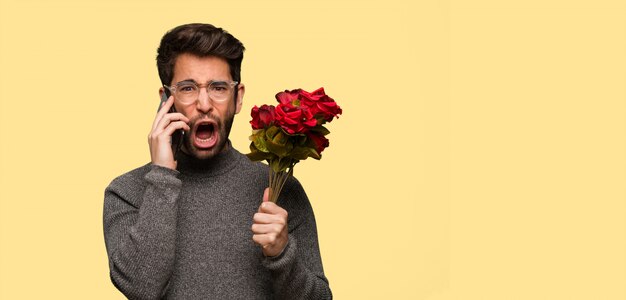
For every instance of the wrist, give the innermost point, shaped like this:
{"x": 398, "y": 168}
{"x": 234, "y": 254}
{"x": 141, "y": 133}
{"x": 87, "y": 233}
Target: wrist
{"x": 275, "y": 253}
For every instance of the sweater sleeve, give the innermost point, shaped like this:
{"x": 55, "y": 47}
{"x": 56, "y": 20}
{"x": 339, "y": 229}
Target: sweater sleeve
{"x": 140, "y": 231}
{"x": 297, "y": 273}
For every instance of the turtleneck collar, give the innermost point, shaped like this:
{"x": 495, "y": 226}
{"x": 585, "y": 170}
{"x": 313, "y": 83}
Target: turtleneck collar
{"x": 219, "y": 164}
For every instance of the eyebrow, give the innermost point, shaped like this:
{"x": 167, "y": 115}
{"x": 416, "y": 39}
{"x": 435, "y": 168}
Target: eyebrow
{"x": 189, "y": 80}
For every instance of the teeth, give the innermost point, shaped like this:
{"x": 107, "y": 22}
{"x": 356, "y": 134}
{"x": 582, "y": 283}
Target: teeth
{"x": 205, "y": 140}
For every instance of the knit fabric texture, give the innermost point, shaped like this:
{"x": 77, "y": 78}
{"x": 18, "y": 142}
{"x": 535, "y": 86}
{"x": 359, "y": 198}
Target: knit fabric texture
{"x": 186, "y": 233}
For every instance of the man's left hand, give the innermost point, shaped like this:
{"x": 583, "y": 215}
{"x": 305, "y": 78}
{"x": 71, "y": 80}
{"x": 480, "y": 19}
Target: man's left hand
{"x": 270, "y": 227}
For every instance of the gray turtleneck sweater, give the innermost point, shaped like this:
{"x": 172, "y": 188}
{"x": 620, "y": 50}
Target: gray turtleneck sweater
{"x": 186, "y": 234}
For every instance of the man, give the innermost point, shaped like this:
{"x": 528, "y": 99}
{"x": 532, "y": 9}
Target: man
{"x": 195, "y": 223}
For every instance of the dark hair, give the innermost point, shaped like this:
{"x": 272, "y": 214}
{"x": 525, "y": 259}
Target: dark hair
{"x": 201, "y": 40}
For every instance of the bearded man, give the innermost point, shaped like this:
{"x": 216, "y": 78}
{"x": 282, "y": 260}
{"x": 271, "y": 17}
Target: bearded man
{"x": 196, "y": 223}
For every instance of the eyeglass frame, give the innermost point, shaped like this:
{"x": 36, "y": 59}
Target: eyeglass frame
{"x": 172, "y": 88}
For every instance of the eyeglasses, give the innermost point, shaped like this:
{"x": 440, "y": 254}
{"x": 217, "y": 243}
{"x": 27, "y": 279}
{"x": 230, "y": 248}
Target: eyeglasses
{"x": 187, "y": 91}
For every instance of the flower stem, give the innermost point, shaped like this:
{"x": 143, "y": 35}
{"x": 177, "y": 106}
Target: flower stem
{"x": 277, "y": 182}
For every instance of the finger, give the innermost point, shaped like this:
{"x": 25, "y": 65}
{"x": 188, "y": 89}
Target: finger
{"x": 160, "y": 134}
{"x": 163, "y": 110}
{"x": 259, "y": 239}
{"x": 160, "y": 143}
{"x": 266, "y": 228}
{"x": 266, "y": 195}
{"x": 176, "y": 116}
{"x": 162, "y": 103}
{"x": 169, "y": 130}
{"x": 263, "y": 218}
{"x": 272, "y": 208}
{"x": 169, "y": 118}
{"x": 165, "y": 107}
{"x": 264, "y": 240}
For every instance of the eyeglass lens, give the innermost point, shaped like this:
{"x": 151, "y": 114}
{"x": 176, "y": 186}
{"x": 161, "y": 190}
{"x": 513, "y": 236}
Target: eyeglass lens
{"x": 217, "y": 90}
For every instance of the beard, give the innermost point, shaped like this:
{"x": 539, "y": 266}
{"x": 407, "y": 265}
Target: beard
{"x": 221, "y": 127}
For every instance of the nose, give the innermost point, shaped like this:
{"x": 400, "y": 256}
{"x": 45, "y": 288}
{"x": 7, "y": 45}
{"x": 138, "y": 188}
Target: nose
{"x": 204, "y": 104}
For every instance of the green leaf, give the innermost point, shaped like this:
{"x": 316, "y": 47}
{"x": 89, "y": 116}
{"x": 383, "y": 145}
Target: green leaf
{"x": 280, "y": 138}
{"x": 281, "y": 144}
{"x": 282, "y": 150}
{"x": 313, "y": 153}
{"x": 256, "y": 155}
{"x": 302, "y": 140}
{"x": 258, "y": 139}
{"x": 271, "y": 131}
{"x": 300, "y": 153}
{"x": 281, "y": 164}
{"x": 320, "y": 129}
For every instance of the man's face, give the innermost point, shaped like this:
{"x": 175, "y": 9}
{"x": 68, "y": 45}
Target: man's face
{"x": 210, "y": 121}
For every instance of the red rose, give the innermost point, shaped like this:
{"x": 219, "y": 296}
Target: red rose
{"x": 262, "y": 117}
{"x": 317, "y": 141}
{"x": 288, "y": 97}
{"x": 320, "y": 104}
{"x": 294, "y": 119}
{"x": 315, "y": 95}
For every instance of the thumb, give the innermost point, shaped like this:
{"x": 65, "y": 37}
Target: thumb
{"x": 266, "y": 195}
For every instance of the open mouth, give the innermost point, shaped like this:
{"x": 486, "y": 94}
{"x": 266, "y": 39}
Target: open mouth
{"x": 205, "y": 135}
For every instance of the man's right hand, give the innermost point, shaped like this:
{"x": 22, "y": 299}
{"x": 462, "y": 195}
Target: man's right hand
{"x": 159, "y": 139}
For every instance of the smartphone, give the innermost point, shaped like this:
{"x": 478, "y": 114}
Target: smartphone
{"x": 177, "y": 136}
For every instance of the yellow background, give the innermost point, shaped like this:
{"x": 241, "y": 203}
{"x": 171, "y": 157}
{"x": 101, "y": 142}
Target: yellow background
{"x": 481, "y": 154}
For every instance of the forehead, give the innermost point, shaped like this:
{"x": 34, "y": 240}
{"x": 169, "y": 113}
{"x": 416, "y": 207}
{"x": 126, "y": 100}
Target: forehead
{"x": 200, "y": 69}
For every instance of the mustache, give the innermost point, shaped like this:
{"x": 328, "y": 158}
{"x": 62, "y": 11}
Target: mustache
{"x": 204, "y": 117}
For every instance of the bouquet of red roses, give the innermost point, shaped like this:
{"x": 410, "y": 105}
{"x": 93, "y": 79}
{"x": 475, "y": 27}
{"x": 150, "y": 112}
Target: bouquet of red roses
{"x": 290, "y": 132}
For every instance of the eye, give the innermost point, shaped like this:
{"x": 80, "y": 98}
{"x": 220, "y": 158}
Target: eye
{"x": 187, "y": 88}
{"x": 219, "y": 87}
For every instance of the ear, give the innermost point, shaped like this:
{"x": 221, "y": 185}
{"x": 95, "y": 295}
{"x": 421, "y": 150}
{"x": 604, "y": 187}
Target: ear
{"x": 241, "y": 90}
{"x": 161, "y": 92}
